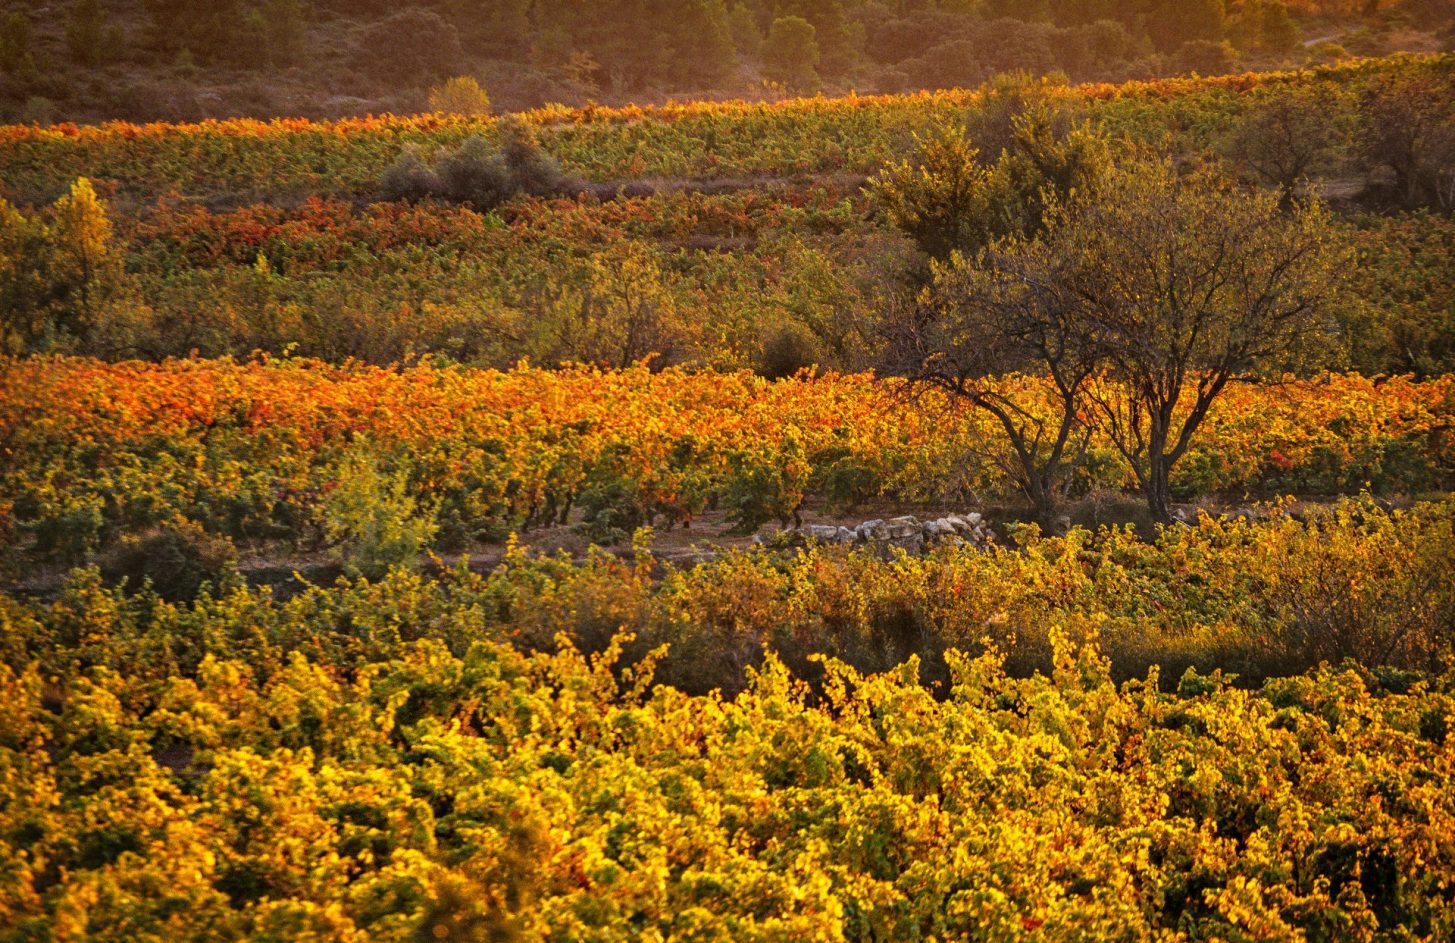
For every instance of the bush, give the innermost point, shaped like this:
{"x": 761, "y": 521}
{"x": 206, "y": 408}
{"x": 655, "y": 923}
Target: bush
{"x": 763, "y": 488}
{"x": 176, "y": 559}
{"x": 612, "y": 510}
{"x": 1363, "y": 584}
{"x": 479, "y": 173}
{"x": 461, "y": 95}
{"x": 372, "y": 519}
{"x": 476, "y": 174}
{"x": 787, "y": 351}
{"x": 531, "y": 169}
{"x": 410, "y": 178}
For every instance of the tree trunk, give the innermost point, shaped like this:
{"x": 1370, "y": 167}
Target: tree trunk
{"x": 1159, "y": 492}
{"x": 1043, "y": 505}
{"x": 1158, "y": 485}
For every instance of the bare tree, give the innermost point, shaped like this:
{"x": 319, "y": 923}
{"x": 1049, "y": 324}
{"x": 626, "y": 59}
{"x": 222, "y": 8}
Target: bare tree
{"x": 1185, "y": 284}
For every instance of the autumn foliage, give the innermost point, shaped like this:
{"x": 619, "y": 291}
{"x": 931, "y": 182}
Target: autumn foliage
{"x": 96, "y": 450}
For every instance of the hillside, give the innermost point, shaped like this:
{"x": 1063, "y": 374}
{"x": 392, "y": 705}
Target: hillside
{"x": 148, "y": 60}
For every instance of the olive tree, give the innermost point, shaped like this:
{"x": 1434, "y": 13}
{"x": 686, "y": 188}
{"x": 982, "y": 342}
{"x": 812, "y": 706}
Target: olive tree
{"x": 1184, "y": 284}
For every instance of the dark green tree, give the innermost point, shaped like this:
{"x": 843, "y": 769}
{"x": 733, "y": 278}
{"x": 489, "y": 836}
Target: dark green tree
{"x": 791, "y": 54}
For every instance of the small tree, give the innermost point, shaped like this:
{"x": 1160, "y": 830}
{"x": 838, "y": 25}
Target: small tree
{"x": 633, "y": 311}
{"x": 791, "y": 55}
{"x": 743, "y": 27}
{"x": 56, "y": 270}
{"x": 1290, "y": 135}
{"x": 24, "y": 288}
{"x": 943, "y": 197}
{"x": 1408, "y": 126}
{"x": 946, "y": 200}
{"x": 83, "y": 261}
{"x": 987, "y": 326}
{"x": 700, "y": 41}
{"x": 461, "y": 95}
{"x": 1185, "y": 285}
{"x": 996, "y": 310}
{"x": 372, "y": 518}
{"x": 1277, "y": 30}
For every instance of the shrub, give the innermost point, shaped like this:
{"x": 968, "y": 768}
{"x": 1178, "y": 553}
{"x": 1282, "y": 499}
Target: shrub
{"x": 175, "y": 559}
{"x": 791, "y": 348}
{"x": 479, "y": 172}
{"x": 612, "y": 510}
{"x": 372, "y": 520}
{"x": 410, "y": 178}
{"x": 762, "y": 489}
{"x": 1360, "y": 583}
{"x": 461, "y": 95}
{"x": 532, "y": 170}
{"x": 476, "y": 174}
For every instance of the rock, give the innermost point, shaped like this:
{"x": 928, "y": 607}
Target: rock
{"x": 866, "y": 530}
{"x": 940, "y": 528}
{"x": 906, "y": 533}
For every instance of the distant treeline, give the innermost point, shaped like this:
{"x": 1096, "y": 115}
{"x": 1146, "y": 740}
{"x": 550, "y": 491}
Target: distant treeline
{"x": 176, "y": 59}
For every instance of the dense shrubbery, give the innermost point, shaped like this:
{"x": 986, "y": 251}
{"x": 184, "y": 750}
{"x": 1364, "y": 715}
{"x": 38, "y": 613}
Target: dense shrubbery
{"x": 478, "y": 172}
{"x": 1253, "y": 598}
{"x": 379, "y": 760}
{"x": 777, "y": 278}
